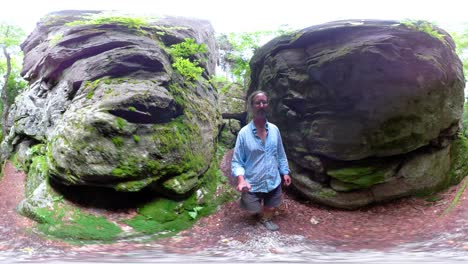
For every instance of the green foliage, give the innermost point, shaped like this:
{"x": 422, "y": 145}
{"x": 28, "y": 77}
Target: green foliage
{"x": 237, "y": 49}
{"x": 55, "y": 39}
{"x": 100, "y": 19}
{"x": 461, "y": 42}
{"x": 188, "y": 69}
{"x": 364, "y": 177}
{"x": 121, "y": 122}
{"x": 183, "y": 55}
{"x": 91, "y": 86}
{"x": 11, "y": 35}
{"x": 118, "y": 141}
{"x": 164, "y": 217}
{"x": 10, "y": 57}
{"x": 459, "y": 160}
{"x": 221, "y": 83}
{"x": 187, "y": 49}
{"x": 194, "y": 213}
{"x": 15, "y": 82}
{"x": 465, "y": 120}
{"x": 425, "y": 27}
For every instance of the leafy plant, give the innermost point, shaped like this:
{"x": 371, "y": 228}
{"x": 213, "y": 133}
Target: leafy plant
{"x": 194, "y": 213}
{"x": 183, "y": 55}
{"x": 187, "y": 49}
{"x": 188, "y": 69}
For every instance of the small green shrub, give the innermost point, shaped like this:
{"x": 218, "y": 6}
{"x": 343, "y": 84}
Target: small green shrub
{"x": 187, "y": 48}
{"x": 188, "y": 69}
{"x": 184, "y": 63}
{"x": 425, "y": 27}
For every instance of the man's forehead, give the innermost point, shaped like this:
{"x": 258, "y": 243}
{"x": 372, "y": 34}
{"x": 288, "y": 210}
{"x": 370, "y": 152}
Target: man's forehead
{"x": 259, "y": 96}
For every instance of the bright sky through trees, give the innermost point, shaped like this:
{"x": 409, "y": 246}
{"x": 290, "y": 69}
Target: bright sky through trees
{"x": 252, "y": 15}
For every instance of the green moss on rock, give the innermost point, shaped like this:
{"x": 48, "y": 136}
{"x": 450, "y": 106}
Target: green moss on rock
{"x": 360, "y": 176}
{"x": 164, "y": 217}
{"x": 61, "y": 222}
{"x": 459, "y": 160}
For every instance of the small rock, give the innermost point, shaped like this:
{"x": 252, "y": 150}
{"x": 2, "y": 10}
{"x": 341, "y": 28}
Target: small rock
{"x": 276, "y": 251}
{"x": 314, "y": 221}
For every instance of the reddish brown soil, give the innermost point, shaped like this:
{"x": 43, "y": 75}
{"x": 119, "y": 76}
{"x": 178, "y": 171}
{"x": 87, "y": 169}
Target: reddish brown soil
{"x": 377, "y": 227}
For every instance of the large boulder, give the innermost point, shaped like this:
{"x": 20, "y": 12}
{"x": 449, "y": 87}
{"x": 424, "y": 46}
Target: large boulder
{"x": 111, "y": 107}
{"x": 367, "y": 108}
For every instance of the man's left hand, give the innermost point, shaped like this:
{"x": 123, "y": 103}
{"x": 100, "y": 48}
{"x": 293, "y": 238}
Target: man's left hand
{"x": 287, "y": 180}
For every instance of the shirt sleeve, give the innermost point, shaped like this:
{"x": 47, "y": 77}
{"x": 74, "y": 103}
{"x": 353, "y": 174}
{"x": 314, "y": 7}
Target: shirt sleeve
{"x": 238, "y": 159}
{"x": 282, "y": 159}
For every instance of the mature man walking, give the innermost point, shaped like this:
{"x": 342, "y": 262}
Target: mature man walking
{"x": 259, "y": 161}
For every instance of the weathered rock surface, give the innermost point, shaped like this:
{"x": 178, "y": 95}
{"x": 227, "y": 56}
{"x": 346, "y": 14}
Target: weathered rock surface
{"x": 111, "y": 109}
{"x": 356, "y": 100}
{"x": 232, "y": 106}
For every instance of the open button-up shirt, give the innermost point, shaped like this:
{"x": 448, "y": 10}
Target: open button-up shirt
{"x": 260, "y": 162}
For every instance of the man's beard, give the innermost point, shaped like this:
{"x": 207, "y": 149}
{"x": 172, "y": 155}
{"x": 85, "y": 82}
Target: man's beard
{"x": 261, "y": 114}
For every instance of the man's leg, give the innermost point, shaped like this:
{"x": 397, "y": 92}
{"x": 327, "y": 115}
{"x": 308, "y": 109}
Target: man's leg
{"x": 271, "y": 201}
{"x": 251, "y": 203}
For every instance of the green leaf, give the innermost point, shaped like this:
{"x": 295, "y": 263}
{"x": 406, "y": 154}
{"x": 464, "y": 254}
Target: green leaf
{"x": 193, "y": 215}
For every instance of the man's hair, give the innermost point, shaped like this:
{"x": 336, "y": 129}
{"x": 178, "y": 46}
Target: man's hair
{"x": 252, "y": 96}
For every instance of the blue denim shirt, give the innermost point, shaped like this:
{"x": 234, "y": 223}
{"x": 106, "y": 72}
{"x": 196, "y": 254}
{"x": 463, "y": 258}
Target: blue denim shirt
{"x": 260, "y": 163}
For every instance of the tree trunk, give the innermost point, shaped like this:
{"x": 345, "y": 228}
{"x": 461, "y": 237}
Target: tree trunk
{"x": 6, "y": 106}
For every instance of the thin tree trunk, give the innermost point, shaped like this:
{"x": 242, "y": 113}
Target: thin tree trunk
{"x": 6, "y": 106}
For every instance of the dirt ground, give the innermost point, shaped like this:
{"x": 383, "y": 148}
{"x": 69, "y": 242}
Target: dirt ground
{"x": 377, "y": 227}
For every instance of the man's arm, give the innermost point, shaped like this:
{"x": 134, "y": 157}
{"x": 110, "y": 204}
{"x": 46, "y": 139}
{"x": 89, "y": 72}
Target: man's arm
{"x": 242, "y": 183}
{"x": 237, "y": 164}
{"x": 283, "y": 162}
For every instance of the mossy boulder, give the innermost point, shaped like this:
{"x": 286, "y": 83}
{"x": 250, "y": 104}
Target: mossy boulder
{"x": 355, "y": 99}
{"x": 109, "y": 114}
{"x": 110, "y": 106}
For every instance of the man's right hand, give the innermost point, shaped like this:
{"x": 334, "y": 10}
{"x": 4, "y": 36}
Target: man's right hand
{"x": 242, "y": 184}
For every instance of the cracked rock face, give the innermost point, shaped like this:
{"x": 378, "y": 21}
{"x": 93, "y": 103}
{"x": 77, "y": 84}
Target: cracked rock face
{"x": 112, "y": 111}
{"x": 367, "y": 109}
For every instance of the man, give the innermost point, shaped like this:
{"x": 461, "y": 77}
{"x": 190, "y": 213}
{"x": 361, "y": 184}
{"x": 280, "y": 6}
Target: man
{"x": 259, "y": 160}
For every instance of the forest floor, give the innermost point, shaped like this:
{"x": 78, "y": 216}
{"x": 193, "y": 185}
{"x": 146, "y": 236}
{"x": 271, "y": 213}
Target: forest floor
{"x": 378, "y": 227}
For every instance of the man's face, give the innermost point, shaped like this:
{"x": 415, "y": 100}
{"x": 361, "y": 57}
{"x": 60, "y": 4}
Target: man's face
{"x": 259, "y": 105}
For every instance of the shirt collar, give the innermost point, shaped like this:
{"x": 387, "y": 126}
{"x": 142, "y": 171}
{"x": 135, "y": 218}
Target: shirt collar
{"x": 254, "y": 129}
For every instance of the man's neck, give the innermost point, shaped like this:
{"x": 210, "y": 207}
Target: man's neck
{"x": 259, "y": 122}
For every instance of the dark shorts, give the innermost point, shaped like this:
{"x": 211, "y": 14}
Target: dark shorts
{"x": 252, "y": 202}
